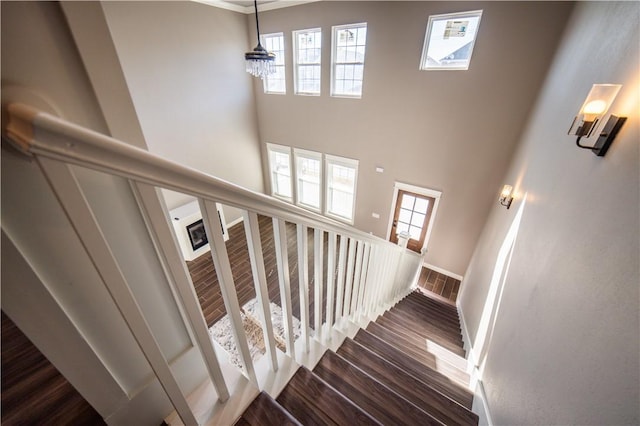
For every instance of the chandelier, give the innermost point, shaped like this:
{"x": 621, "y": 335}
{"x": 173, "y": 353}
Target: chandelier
{"x": 260, "y": 63}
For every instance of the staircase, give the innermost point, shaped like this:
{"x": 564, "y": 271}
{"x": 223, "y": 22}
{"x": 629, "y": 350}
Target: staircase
{"x": 406, "y": 368}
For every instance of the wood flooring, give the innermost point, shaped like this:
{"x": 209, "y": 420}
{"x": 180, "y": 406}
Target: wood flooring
{"x": 33, "y": 391}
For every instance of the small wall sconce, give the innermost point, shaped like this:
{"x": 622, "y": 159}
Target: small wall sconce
{"x": 591, "y": 113}
{"x": 506, "y": 196}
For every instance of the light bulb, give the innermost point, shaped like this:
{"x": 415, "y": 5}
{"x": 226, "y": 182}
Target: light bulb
{"x": 593, "y": 109}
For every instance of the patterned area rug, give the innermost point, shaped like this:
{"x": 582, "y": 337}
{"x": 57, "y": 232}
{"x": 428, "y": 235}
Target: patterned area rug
{"x": 221, "y": 331}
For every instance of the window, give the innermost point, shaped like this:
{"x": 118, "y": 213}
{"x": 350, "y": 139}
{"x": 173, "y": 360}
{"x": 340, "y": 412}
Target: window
{"x": 307, "y": 45}
{"x": 275, "y": 83}
{"x": 341, "y": 187}
{"x": 308, "y": 165}
{"x": 449, "y": 41}
{"x": 347, "y": 53}
{"x": 280, "y": 168}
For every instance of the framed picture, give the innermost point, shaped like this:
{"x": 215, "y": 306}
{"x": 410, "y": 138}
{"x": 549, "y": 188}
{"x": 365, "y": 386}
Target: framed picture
{"x": 449, "y": 41}
{"x": 197, "y": 234}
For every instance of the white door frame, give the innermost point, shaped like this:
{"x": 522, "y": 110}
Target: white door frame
{"x": 399, "y": 186}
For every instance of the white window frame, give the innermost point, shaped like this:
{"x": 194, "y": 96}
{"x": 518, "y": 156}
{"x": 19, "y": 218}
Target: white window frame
{"x": 334, "y": 61}
{"x": 313, "y": 155}
{"x": 271, "y": 147}
{"x": 278, "y": 65}
{"x": 296, "y": 63}
{"x": 427, "y": 39}
{"x": 345, "y": 162}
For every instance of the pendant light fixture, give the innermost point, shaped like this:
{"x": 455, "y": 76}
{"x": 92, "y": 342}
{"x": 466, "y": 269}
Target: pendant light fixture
{"x": 260, "y": 62}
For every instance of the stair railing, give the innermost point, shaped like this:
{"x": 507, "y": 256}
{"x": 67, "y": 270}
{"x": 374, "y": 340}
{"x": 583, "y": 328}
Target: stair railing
{"x": 364, "y": 273}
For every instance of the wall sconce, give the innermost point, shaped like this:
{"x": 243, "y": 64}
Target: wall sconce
{"x": 592, "y": 111}
{"x": 506, "y": 196}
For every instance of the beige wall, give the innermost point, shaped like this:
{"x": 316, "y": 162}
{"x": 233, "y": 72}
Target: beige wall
{"x": 452, "y": 131}
{"x": 183, "y": 63}
{"x": 563, "y": 345}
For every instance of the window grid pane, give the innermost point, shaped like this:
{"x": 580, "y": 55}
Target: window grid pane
{"x": 349, "y": 44}
{"x": 275, "y": 83}
{"x": 308, "y": 171}
{"x": 341, "y": 181}
{"x": 280, "y": 173}
{"x": 307, "y": 52}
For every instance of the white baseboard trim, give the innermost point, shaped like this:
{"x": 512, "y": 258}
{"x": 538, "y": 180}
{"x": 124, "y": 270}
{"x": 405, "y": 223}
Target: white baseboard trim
{"x": 466, "y": 340}
{"x": 442, "y": 271}
{"x": 234, "y": 222}
{"x": 480, "y": 406}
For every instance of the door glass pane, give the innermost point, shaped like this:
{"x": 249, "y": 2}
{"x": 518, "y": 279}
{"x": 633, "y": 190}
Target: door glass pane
{"x": 417, "y": 219}
{"x": 421, "y": 205}
{"x": 404, "y": 216}
{"x": 402, "y": 227}
{"x": 408, "y": 201}
{"x": 415, "y": 231}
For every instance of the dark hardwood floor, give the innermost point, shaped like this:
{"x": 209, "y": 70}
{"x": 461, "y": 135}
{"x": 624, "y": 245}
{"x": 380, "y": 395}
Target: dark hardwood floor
{"x": 33, "y": 391}
{"x": 205, "y": 280}
{"x": 439, "y": 284}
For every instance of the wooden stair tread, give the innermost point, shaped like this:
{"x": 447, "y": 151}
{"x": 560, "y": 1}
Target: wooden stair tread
{"x": 409, "y": 364}
{"x": 422, "y": 321}
{"x": 421, "y": 394}
{"x": 313, "y": 402}
{"x": 453, "y": 352}
{"x": 265, "y": 411}
{"x": 372, "y": 396}
{"x": 431, "y": 297}
{"x": 420, "y": 354}
{"x": 429, "y": 313}
{"x": 433, "y": 305}
{"x": 447, "y": 340}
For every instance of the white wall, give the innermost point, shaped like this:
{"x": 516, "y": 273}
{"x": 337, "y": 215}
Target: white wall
{"x": 564, "y": 345}
{"x": 452, "y": 131}
{"x": 184, "y": 66}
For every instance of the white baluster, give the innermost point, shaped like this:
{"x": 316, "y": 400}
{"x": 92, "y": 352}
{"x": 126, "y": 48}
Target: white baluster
{"x": 356, "y": 277}
{"x": 254, "y": 245}
{"x": 331, "y": 269}
{"x": 282, "y": 259}
{"x": 318, "y": 261}
{"x": 303, "y": 280}
{"x": 341, "y": 274}
{"x": 348, "y": 287}
{"x": 225, "y": 280}
{"x": 363, "y": 278}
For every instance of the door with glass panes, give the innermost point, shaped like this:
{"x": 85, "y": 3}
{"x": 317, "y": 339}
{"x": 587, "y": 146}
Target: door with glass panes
{"x": 411, "y": 215}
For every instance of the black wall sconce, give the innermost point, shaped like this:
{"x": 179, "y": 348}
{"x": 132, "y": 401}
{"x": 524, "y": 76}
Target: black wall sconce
{"x": 506, "y": 196}
{"x": 591, "y": 113}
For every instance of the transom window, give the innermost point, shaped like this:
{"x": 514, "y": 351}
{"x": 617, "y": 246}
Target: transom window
{"x": 275, "y": 83}
{"x": 307, "y": 46}
{"x": 280, "y": 168}
{"x": 308, "y": 166}
{"x": 348, "y": 49}
{"x": 449, "y": 41}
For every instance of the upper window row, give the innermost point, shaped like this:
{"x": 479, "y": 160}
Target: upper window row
{"x": 298, "y": 176}
{"x": 348, "y": 43}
